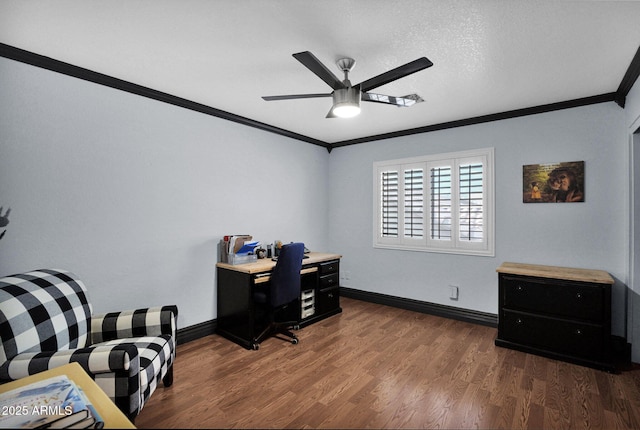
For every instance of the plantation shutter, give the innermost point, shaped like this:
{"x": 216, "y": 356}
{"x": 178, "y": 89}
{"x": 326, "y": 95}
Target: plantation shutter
{"x": 440, "y": 227}
{"x": 413, "y": 203}
{"x": 436, "y": 203}
{"x": 471, "y": 203}
{"x": 389, "y": 204}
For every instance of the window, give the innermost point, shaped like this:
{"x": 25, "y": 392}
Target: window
{"x": 437, "y": 203}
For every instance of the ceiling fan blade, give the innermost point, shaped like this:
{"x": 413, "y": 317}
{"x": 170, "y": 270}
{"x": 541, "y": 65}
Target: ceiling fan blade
{"x": 404, "y": 101}
{"x": 296, "y": 96}
{"x": 312, "y": 63}
{"x": 397, "y": 73}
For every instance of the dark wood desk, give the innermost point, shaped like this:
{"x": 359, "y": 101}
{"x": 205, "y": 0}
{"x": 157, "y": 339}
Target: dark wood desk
{"x": 319, "y": 296}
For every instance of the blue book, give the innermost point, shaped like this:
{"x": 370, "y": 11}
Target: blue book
{"x": 247, "y": 247}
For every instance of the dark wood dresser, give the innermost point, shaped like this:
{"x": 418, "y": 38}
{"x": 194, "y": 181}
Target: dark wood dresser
{"x": 558, "y": 312}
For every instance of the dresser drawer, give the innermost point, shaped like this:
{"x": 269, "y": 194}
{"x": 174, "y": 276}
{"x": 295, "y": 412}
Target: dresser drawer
{"x": 328, "y": 267}
{"x": 552, "y": 297}
{"x": 561, "y": 336}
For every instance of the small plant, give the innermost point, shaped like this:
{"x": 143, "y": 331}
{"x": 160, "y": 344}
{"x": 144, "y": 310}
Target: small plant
{"x": 4, "y": 220}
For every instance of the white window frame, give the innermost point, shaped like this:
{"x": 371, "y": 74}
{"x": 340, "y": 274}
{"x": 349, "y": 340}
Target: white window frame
{"x": 454, "y": 245}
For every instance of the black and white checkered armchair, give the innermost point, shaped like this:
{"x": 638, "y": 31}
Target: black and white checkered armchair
{"x": 46, "y": 321}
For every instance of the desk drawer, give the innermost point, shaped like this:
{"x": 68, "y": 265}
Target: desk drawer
{"x": 328, "y": 299}
{"x": 328, "y": 267}
{"x": 329, "y": 281}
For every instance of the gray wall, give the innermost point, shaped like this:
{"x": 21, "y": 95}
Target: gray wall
{"x": 133, "y": 195}
{"x": 592, "y": 234}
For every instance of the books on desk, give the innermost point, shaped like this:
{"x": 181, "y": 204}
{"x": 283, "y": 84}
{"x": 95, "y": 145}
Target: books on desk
{"x": 55, "y": 402}
{"x": 247, "y": 247}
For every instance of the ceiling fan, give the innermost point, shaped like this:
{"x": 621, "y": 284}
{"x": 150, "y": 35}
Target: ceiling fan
{"x": 346, "y": 97}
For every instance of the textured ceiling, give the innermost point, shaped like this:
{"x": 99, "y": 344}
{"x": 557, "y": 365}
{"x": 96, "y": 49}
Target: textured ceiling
{"x": 489, "y": 56}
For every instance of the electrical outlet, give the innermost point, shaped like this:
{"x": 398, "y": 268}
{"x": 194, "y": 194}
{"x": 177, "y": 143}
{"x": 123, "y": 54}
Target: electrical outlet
{"x": 453, "y": 292}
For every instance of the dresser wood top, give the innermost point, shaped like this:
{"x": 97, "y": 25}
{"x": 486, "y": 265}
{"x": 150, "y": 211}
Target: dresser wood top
{"x": 566, "y": 273}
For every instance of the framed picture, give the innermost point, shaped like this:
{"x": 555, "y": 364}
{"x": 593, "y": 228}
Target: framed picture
{"x": 553, "y": 182}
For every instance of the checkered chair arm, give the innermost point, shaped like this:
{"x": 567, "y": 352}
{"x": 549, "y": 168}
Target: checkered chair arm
{"x": 156, "y": 321}
{"x": 156, "y": 354}
{"x": 94, "y": 359}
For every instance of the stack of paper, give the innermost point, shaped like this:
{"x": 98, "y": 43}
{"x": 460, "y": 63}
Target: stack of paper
{"x": 56, "y": 402}
{"x": 233, "y": 243}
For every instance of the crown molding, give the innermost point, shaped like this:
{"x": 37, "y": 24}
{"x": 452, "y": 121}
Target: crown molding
{"x": 37, "y": 60}
{"x": 602, "y": 98}
{"x": 54, "y": 65}
{"x": 629, "y": 79}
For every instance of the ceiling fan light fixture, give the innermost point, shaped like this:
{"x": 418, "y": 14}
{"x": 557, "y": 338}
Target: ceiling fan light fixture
{"x": 346, "y": 98}
{"x": 346, "y": 110}
{"x": 346, "y": 102}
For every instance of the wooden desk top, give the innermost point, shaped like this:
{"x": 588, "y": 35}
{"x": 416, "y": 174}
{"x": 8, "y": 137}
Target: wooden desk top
{"x": 112, "y": 416}
{"x": 566, "y": 273}
{"x": 266, "y": 264}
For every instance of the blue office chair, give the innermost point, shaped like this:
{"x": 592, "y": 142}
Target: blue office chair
{"x": 284, "y": 290}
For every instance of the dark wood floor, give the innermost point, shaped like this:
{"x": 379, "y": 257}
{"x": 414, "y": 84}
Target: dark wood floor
{"x": 375, "y": 366}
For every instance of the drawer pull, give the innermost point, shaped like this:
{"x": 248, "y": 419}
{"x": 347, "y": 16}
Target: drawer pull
{"x": 579, "y": 332}
{"x": 329, "y": 268}
{"x": 330, "y": 295}
{"x": 578, "y": 296}
{"x": 519, "y": 288}
{"x": 519, "y": 321}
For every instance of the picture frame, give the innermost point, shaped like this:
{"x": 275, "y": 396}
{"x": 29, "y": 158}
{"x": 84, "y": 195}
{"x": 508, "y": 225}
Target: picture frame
{"x": 561, "y": 182}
